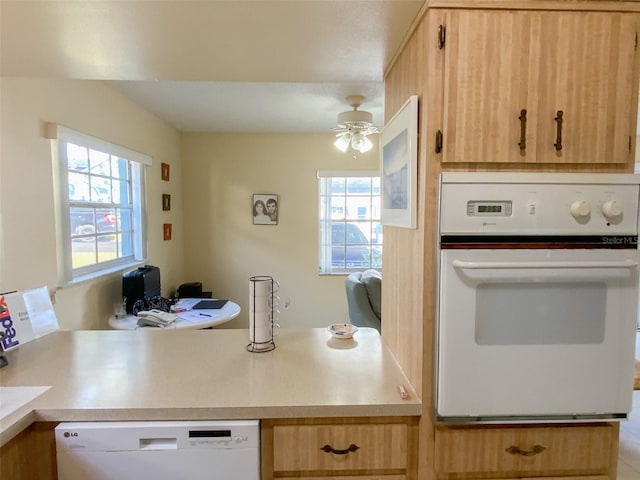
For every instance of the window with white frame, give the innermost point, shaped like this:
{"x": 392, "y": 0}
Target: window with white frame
{"x": 350, "y": 228}
{"x": 100, "y": 204}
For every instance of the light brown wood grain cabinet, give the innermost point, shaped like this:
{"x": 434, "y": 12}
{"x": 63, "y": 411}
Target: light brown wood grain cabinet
{"x": 31, "y": 454}
{"x": 340, "y": 448}
{"x": 564, "y": 451}
{"x": 538, "y": 86}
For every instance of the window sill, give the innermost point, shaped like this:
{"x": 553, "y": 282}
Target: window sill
{"x": 345, "y": 273}
{"x": 102, "y": 273}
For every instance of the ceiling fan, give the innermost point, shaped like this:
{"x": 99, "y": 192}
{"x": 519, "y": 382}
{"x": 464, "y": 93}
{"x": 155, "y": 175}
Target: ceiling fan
{"x": 354, "y": 126}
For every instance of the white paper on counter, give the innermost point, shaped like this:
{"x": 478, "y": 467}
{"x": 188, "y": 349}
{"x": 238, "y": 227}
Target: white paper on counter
{"x": 25, "y": 316}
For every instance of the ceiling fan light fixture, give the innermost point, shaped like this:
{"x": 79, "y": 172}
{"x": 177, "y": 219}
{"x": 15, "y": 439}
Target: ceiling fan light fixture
{"x": 357, "y": 118}
{"x": 357, "y": 141}
{"x": 366, "y": 144}
{"x": 342, "y": 142}
{"x": 354, "y": 125}
{"x": 360, "y": 142}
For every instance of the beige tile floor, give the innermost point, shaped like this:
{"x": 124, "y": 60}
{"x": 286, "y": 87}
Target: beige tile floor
{"x": 629, "y": 455}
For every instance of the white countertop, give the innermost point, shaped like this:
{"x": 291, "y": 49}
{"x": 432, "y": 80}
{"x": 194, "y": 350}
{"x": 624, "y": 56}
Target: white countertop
{"x": 203, "y": 374}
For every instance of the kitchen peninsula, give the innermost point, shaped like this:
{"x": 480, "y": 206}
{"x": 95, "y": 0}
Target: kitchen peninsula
{"x": 309, "y": 378}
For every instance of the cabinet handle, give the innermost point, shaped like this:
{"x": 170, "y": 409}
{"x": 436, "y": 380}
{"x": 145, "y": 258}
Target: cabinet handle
{"x": 330, "y": 449}
{"x": 442, "y": 36}
{"x": 558, "y": 143}
{"x": 439, "y": 141}
{"x": 523, "y": 129}
{"x": 513, "y": 450}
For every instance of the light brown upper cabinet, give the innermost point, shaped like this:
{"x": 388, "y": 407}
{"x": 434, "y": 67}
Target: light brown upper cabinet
{"x": 538, "y": 87}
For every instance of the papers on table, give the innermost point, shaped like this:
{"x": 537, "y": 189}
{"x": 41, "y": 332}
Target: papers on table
{"x": 187, "y": 303}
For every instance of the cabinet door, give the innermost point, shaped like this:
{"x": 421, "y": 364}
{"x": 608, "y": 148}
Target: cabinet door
{"x": 486, "y": 86}
{"x": 586, "y": 71}
{"x": 31, "y": 454}
{"x": 499, "y": 63}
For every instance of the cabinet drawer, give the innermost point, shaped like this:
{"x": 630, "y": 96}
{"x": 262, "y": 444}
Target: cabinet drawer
{"x": 301, "y": 447}
{"x": 526, "y": 451}
{"x": 378, "y": 477}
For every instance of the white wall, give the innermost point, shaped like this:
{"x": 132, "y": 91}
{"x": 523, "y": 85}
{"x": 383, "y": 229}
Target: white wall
{"x": 224, "y": 248}
{"x": 27, "y": 230}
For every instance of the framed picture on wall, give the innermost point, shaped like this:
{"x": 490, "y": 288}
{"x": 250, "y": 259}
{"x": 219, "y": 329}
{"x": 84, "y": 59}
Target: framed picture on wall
{"x": 166, "y": 201}
{"x": 265, "y": 209}
{"x": 399, "y": 165}
{"x": 165, "y": 172}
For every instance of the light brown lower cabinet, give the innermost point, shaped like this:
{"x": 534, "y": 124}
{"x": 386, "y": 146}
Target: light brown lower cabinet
{"x": 584, "y": 452}
{"x": 31, "y": 454}
{"x": 379, "y": 448}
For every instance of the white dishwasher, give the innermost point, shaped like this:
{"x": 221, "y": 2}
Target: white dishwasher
{"x": 194, "y": 450}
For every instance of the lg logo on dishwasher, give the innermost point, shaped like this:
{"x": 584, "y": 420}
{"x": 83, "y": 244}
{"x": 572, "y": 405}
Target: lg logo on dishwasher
{"x": 70, "y": 434}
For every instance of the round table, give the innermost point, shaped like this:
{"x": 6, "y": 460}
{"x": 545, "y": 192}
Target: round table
{"x": 196, "y": 319}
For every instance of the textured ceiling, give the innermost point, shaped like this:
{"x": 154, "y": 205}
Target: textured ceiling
{"x": 215, "y": 65}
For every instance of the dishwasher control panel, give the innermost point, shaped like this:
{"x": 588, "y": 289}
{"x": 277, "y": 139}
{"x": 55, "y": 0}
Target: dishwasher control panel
{"x": 149, "y": 436}
{"x": 205, "y": 437}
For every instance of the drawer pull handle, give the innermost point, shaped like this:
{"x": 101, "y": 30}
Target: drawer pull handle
{"x": 513, "y": 450}
{"x": 330, "y": 449}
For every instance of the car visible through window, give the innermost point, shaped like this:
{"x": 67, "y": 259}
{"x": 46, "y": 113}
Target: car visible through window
{"x": 351, "y": 248}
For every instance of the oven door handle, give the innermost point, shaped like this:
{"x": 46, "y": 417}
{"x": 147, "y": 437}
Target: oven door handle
{"x": 461, "y": 264}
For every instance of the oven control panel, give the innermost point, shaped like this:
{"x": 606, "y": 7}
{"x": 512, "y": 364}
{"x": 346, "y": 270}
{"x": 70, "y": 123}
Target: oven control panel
{"x": 545, "y": 207}
{"x": 610, "y": 209}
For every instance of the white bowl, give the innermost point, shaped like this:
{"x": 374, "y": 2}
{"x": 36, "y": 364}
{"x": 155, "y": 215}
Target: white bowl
{"x": 342, "y": 330}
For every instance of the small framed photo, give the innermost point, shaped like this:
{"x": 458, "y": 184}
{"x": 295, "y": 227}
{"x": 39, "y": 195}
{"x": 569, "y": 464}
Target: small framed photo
{"x": 165, "y": 172}
{"x": 167, "y": 231}
{"x": 264, "y": 207}
{"x": 399, "y": 165}
{"x": 166, "y": 201}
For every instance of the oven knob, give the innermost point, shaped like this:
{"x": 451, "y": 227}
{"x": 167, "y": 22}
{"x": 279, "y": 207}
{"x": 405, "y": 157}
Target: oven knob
{"x": 580, "y": 209}
{"x": 612, "y": 209}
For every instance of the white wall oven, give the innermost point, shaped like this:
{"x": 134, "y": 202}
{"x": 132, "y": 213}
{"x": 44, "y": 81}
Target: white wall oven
{"x": 538, "y": 297}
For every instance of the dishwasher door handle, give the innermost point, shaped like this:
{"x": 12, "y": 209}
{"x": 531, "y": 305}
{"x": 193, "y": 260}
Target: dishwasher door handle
{"x": 158, "y": 443}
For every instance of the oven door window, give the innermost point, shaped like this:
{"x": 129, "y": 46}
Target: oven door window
{"x": 533, "y": 313}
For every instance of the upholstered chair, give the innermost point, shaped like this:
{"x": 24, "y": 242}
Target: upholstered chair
{"x": 363, "y": 298}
